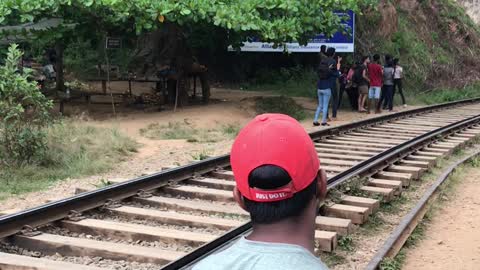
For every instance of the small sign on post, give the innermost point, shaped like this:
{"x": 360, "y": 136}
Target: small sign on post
{"x": 113, "y": 43}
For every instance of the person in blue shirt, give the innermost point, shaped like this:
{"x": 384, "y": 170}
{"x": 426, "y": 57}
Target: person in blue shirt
{"x": 328, "y": 72}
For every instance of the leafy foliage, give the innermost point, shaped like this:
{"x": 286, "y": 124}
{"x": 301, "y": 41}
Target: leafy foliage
{"x": 74, "y": 149}
{"x": 24, "y": 112}
{"x": 393, "y": 264}
{"x": 273, "y": 20}
{"x": 450, "y": 94}
{"x": 281, "y": 104}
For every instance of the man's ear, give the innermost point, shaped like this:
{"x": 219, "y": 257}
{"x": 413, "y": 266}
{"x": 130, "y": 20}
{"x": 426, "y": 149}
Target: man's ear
{"x": 321, "y": 185}
{"x": 239, "y": 198}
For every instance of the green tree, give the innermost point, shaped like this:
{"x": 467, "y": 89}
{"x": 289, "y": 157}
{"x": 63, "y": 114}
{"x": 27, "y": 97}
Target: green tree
{"x": 275, "y": 21}
{"x": 24, "y": 112}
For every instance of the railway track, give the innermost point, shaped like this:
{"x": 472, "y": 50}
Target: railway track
{"x": 174, "y": 218}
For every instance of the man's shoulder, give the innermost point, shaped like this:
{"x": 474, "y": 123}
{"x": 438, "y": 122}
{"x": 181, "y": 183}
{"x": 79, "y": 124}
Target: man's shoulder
{"x": 280, "y": 261}
{"x": 374, "y": 66}
{"x": 258, "y": 256}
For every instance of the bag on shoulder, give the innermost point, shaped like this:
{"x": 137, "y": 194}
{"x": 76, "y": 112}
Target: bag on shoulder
{"x": 357, "y": 76}
{"x": 323, "y": 71}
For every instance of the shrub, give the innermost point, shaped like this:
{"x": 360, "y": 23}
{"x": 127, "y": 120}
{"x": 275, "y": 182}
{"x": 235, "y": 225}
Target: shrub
{"x": 24, "y": 112}
{"x": 282, "y": 104}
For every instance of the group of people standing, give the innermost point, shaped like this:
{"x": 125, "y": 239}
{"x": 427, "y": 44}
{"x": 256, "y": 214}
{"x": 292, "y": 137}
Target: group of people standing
{"x": 369, "y": 85}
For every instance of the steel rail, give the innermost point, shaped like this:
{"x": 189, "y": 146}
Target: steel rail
{"x": 13, "y": 223}
{"x": 397, "y": 239}
{"x": 371, "y": 165}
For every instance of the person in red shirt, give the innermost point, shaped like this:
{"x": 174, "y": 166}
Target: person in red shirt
{"x": 376, "y": 77}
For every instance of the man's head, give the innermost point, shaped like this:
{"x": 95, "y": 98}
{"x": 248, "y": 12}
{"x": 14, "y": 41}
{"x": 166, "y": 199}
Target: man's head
{"x": 366, "y": 60}
{"x": 376, "y": 58}
{"x": 276, "y": 169}
{"x": 330, "y": 52}
{"x": 323, "y": 49}
{"x": 388, "y": 58}
{"x": 396, "y": 61}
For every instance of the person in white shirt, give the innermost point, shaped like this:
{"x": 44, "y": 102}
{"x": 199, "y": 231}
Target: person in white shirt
{"x": 397, "y": 80}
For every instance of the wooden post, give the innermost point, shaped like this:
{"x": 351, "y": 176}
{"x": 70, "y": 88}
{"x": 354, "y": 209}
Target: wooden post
{"x": 104, "y": 86}
{"x": 194, "y": 85}
{"x": 61, "y": 106}
{"x": 130, "y": 86}
{"x": 59, "y": 66}
{"x": 60, "y": 83}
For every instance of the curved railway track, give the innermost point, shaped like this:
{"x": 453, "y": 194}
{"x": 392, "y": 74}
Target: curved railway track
{"x": 176, "y": 217}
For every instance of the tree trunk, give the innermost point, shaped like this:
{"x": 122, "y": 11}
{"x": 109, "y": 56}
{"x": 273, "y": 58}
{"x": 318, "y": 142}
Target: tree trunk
{"x": 59, "y": 66}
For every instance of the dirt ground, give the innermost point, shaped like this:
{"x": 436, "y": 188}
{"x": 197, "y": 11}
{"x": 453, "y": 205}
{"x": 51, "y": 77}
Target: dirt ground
{"x": 452, "y": 238}
{"x": 227, "y": 107}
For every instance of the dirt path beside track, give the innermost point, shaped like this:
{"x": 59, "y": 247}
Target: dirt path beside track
{"x": 452, "y": 237}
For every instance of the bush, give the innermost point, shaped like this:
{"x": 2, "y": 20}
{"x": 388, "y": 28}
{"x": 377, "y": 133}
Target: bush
{"x": 297, "y": 81}
{"x": 73, "y": 150}
{"x": 448, "y": 95}
{"x": 24, "y": 113}
{"x": 284, "y": 105}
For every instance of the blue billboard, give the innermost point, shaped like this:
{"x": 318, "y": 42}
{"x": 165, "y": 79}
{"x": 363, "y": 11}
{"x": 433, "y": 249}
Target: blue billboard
{"x": 342, "y": 41}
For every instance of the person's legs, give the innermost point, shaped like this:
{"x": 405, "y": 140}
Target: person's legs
{"x": 376, "y": 98}
{"x": 363, "y": 91}
{"x": 381, "y": 102}
{"x": 351, "y": 97}
{"x": 340, "y": 95}
{"x": 334, "y": 101}
{"x": 326, "y": 94}
{"x": 359, "y": 102}
{"x": 389, "y": 94}
{"x": 400, "y": 90}
{"x": 392, "y": 96}
{"x": 319, "y": 106}
{"x": 371, "y": 96}
{"x": 355, "y": 96}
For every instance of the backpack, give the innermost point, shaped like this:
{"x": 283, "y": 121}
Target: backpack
{"x": 323, "y": 71}
{"x": 358, "y": 75}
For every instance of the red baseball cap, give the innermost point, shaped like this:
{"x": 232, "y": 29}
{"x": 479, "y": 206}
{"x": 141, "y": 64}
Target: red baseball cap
{"x": 274, "y": 139}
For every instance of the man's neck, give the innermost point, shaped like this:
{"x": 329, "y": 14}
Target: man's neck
{"x": 299, "y": 233}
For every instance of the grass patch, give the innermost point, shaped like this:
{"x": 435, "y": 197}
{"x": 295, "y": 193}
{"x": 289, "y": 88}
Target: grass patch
{"x": 297, "y": 81}
{"x": 394, "y": 205}
{"x": 374, "y": 222}
{"x": 282, "y": 104}
{"x": 350, "y": 187}
{"x": 171, "y": 131}
{"x": 200, "y": 156}
{"x": 186, "y": 131}
{"x": 231, "y": 130}
{"x": 332, "y": 259}
{"x": 395, "y": 263}
{"x": 450, "y": 94}
{"x": 74, "y": 150}
{"x": 346, "y": 243}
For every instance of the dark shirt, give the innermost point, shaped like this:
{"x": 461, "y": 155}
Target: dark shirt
{"x": 327, "y": 83}
{"x": 333, "y": 79}
{"x": 322, "y": 57}
{"x": 362, "y": 81}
